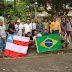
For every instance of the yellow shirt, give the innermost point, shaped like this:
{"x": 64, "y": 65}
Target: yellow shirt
{"x": 55, "y": 26}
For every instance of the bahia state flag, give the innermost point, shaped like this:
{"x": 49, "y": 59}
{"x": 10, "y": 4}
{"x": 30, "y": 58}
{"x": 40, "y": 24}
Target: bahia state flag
{"x": 47, "y": 43}
{"x": 16, "y": 46}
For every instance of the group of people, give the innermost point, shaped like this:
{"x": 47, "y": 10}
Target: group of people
{"x": 37, "y": 28}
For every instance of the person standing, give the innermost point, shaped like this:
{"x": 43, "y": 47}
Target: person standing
{"x": 63, "y": 25}
{"x": 33, "y": 26}
{"x": 71, "y": 33}
{"x": 19, "y": 28}
{"x": 27, "y": 28}
{"x": 11, "y": 28}
{"x": 40, "y": 27}
{"x": 46, "y": 24}
{"x": 2, "y": 36}
{"x": 69, "y": 28}
{"x": 55, "y": 27}
{"x": 49, "y": 26}
{"x": 71, "y": 20}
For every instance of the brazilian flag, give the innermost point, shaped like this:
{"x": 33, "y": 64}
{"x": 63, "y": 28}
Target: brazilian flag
{"x": 48, "y": 42}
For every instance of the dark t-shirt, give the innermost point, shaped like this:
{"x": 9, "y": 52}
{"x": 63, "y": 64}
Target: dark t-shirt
{"x": 62, "y": 26}
{"x": 11, "y": 27}
{"x": 31, "y": 38}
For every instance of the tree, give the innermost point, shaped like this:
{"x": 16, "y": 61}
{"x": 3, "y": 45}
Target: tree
{"x": 2, "y": 7}
{"x": 56, "y": 5}
{"x": 26, "y": 9}
{"x": 14, "y": 8}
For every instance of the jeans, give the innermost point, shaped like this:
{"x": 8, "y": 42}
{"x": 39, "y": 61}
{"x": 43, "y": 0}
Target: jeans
{"x": 66, "y": 44}
{"x": 2, "y": 44}
{"x": 1, "y": 48}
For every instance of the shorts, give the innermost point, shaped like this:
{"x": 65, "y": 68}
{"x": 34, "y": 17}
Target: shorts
{"x": 69, "y": 33}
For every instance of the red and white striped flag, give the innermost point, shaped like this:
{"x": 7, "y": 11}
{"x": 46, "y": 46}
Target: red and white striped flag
{"x": 16, "y": 46}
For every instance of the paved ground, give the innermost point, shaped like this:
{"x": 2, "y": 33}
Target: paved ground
{"x": 41, "y": 63}
{"x": 52, "y": 61}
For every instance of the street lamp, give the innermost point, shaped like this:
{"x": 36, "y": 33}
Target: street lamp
{"x": 35, "y": 5}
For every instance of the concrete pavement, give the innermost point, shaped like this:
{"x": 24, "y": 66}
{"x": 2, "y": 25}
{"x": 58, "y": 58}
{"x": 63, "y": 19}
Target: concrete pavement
{"x": 51, "y": 61}
{"x": 40, "y": 63}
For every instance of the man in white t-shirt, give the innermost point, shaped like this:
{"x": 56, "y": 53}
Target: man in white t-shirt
{"x": 27, "y": 28}
{"x": 36, "y": 35}
{"x": 2, "y": 36}
{"x": 19, "y": 29}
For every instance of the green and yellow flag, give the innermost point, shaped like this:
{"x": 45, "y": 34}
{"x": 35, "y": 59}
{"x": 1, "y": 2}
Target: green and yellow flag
{"x": 47, "y": 43}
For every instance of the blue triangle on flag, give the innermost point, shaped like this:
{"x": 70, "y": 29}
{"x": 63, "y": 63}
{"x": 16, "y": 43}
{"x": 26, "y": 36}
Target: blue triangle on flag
{"x": 10, "y": 38}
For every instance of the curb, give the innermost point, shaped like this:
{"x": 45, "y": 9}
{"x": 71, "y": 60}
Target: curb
{"x": 65, "y": 50}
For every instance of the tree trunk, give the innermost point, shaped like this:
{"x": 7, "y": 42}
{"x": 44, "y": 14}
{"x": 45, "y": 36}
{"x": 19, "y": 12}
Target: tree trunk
{"x": 14, "y": 8}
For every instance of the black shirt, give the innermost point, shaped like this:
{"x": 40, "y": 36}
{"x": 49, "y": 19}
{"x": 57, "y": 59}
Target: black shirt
{"x": 11, "y": 27}
{"x": 31, "y": 38}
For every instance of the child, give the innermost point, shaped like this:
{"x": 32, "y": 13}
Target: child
{"x": 64, "y": 39}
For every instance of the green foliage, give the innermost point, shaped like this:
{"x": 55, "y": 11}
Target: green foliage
{"x": 26, "y": 10}
{"x": 2, "y": 7}
{"x": 9, "y": 5}
{"x": 10, "y": 11}
{"x": 56, "y": 5}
